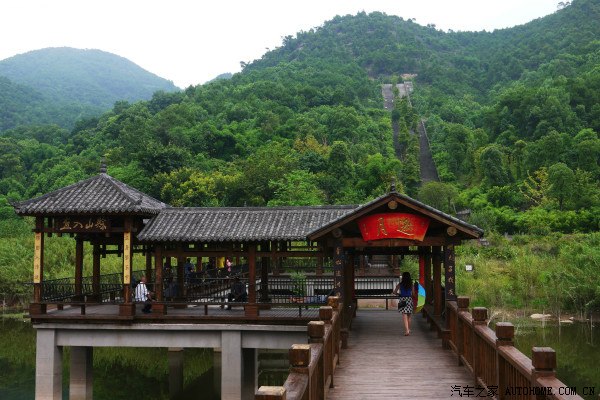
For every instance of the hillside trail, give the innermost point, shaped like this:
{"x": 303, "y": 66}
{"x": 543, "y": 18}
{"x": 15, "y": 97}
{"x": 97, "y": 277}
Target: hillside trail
{"x": 428, "y": 171}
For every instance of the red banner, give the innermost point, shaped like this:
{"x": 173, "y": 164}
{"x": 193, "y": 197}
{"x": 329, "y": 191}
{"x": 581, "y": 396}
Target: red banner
{"x": 393, "y": 226}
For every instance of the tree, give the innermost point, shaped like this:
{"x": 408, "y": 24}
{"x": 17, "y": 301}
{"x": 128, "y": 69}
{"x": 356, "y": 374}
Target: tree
{"x": 561, "y": 179}
{"x": 296, "y": 188}
{"x": 439, "y": 195}
{"x": 492, "y": 165}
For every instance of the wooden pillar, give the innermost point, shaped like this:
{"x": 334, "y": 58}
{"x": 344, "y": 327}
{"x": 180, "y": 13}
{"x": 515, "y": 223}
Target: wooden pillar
{"x": 264, "y": 274}
{"x": 450, "y": 274}
{"x": 427, "y": 276}
{"x": 158, "y": 307}
{"x": 38, "y": 269}
{"x": 252, "y": 307}
{"x": 128, "y": 307}
{"x": 338, "y": 269}
{"x": 320, "y": 249}
{"x": 96, "y": 273}
{"x": 437, "y": 281}
{"x": 78, "y": 268}
{"x": 361, "y": 265}
{"x": 180, "y": 277}
{"x": 349, "y": 279}
{"x": 148, "y": 272}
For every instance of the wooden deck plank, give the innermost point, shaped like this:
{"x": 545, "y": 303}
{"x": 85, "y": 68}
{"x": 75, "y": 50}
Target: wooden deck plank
{"x": 382, "y": 363}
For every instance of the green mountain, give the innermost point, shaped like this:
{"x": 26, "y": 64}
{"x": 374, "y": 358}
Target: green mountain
{"x": 512, "y": 117}
{"x": 61, "y": 85}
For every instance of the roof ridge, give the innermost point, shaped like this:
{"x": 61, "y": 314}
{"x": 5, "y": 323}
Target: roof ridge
{"x": 116, "y": 185}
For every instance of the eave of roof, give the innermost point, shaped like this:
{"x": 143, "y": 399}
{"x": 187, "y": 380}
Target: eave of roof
{"x": 470, "y": 230}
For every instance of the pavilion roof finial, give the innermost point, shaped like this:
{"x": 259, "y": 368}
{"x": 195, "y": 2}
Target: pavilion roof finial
{"x": 103, "y": 165}
{"x": 393, "y": 186}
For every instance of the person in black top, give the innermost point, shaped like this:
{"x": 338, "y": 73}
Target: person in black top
{"x": 238, "y": 292}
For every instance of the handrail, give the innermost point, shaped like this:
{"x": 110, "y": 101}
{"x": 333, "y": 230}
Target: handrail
{"x": 312, "y": 365}
{"x": 492, "y": 358}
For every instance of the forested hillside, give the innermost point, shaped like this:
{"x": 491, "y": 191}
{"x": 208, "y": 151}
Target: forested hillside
{"x": 61, "y": 85}
{"x": 513, "y": 117}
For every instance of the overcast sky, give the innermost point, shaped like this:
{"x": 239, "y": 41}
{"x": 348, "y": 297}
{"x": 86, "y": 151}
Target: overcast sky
{"x": 191, "y": 41}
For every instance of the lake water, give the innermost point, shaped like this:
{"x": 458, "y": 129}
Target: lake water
{"x": 118, "y": 373}
{"x": 577, "y": 347}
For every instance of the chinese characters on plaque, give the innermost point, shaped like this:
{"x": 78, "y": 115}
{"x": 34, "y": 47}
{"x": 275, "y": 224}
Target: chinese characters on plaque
{"x": 338, "y": 266}
{"x": 393, "y": 226}
{"x": 82, "y": 224}
{"x": 449, "y": 265}
{"x": 126, "y": 258}
{"x": 37, "y": 258}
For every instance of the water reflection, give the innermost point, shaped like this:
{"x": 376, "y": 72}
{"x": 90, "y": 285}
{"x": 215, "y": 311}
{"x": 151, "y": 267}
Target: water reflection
{"x": 119, "y": 373}
{"x": 577, "y": 352}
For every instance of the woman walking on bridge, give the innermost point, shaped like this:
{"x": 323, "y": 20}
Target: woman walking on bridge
{"x": 405, "y": 302}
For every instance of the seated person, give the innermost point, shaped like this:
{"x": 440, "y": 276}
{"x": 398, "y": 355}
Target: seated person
{"x": 143, "y": 295}
{"x": 238, "y": 292}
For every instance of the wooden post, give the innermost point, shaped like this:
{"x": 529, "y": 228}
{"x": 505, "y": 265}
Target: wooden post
{"x": 361, "y": 265}
{"x": 463, "y": 306}
{"x": 78, "y": 268}
{"x": 316, "y": 331}
{"x": 437, "y": 281}
{"x": 299, "y": 355}
{"x": 128, "y": 307}
{"x": 543, "y": 360}
{"x": 479, "y": 318}
{"x": 349, "y": 280}
{"x": 158, "y": 281}
{"x": 38, "y": 269}
{"x": 320, "y": 249}
{"x": 450, "y": 274}
{"x": 338, "y": 270}
{"x": 264, "y": 273}
{"x": 505, "y": 333}
{"x": 427, "y": 286}
{"x": 180, "y": 277}
{"x": 278, "y": 264}
{"x": 270, "y": 393}
{"x": 326, "y": 314}
{"x": 252, "y": 308}
{"x": 96, "y": 273}
{"x": 149, "y": 266}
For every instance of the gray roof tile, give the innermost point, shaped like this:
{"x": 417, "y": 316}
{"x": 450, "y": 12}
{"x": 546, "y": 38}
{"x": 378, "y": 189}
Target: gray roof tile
{"x": 100, "y": 194}
{"x": 239, "y": 224}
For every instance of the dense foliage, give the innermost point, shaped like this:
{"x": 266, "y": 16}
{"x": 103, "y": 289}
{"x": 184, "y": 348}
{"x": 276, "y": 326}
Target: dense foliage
{"x": 61, "y": 85}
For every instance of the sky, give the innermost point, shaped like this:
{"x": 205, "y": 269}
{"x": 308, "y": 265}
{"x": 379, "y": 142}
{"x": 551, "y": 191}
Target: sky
{"x": 190, "y": 42}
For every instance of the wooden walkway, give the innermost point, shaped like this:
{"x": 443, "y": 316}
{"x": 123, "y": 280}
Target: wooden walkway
{"x": 382, "y": 363}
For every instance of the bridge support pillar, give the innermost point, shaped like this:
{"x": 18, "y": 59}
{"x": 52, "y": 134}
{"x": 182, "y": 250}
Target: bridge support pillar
{"x": 175, "y": 357}
{"x": 48, "y": 366}
{"x": 81, "y": 379}
{"x": 231, "y": 365}
{"x": 249, "y": 373}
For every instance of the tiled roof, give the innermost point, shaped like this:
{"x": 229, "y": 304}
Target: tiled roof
{"x": 100, "y": 194}
{"x": 239, "y": 224}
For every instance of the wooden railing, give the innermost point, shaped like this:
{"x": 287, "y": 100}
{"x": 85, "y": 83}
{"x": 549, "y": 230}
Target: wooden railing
{"x": 497, "y": 366}
{"x": 312, "y": 365}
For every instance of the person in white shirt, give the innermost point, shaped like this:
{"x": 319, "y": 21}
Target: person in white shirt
{"x": 143, "y": 295}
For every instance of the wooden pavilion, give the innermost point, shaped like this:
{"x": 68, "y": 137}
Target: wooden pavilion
{"x": 115, "y": 218}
